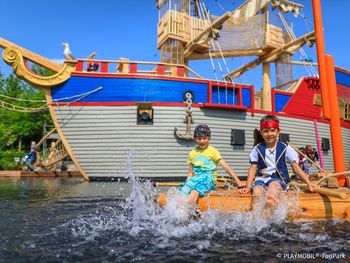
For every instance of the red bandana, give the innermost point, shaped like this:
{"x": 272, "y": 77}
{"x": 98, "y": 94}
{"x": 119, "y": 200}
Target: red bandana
{"x": 269, "y": 124}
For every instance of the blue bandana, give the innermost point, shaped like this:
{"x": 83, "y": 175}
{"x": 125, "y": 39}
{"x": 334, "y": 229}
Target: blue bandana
{"x": 202, "y": 130}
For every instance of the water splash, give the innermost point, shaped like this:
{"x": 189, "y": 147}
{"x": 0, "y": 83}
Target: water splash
{"x": 139, "y": 215}
{"x": 98, "y": 222}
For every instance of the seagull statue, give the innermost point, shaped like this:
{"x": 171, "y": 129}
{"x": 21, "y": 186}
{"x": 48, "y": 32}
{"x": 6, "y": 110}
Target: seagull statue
{"x": 67, "y": 53}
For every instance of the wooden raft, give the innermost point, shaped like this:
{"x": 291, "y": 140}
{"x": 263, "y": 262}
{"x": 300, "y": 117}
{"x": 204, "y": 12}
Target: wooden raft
{"x": 310, "y": 206}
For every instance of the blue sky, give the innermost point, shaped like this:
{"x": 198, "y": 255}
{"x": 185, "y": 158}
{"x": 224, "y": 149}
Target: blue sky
{"x": 118, "y": 28}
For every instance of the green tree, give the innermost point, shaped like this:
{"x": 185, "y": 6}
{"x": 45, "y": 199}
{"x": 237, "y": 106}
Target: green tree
{"x": 20, "y": 128}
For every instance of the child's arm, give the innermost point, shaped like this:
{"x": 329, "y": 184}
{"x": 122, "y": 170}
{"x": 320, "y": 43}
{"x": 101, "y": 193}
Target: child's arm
{"x": 228, "y": 169}
{"x": 189, "y": 173}
{"x": 300, "y": 172}
{"x": 250, "y": 179}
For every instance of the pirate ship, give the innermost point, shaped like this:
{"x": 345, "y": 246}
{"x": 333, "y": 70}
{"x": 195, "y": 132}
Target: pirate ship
{"x": 103, "y": 108}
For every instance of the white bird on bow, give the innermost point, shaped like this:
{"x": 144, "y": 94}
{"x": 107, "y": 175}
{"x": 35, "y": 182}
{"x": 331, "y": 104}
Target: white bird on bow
{"x": 67, "y": 53}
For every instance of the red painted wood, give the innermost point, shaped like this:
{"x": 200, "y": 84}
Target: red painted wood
{"x": 301, "y": 103}
{"x": 273, "y": 101}
{"x": 180, "y": 71}
{"x": 160, "y": 69}
{"x": 239, "y": 96}
{"x": 104, "y": 67}
{"x": 210, "y": 92}
{"x": 252, "y": 96}
{"x": 133, "y": 68}
{"x": 79, "y": 66}
{"x": 224, "y": 106}
{"x": 123, "y": 76}
{"x": 343, "y": 91}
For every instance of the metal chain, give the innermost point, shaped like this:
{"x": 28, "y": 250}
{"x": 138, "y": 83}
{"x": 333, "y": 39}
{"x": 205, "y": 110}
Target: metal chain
{"x": 188, "y": 103}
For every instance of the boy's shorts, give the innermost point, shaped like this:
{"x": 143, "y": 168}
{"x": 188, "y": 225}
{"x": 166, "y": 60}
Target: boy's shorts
{"x": 265, "y": 185}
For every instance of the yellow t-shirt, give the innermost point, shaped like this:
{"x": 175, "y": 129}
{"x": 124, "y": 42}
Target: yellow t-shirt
{"x": 204, "y": 160}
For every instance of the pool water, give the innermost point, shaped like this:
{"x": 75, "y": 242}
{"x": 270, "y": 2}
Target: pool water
{"x": 68, "y": 220}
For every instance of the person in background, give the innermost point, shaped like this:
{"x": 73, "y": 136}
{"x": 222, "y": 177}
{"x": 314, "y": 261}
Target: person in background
{"x": 312, "y": 154}
{"x": 202, "y": 170}
{"x": 31, "y": 158}
{"x": 303, "y": 163}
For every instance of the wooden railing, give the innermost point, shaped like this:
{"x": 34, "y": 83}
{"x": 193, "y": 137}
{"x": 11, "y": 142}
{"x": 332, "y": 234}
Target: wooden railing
{"x": 124, "y": 66}
{"x": 228, "y": 96}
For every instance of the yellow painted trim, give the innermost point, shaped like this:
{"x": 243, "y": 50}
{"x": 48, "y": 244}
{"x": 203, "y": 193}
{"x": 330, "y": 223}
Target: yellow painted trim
{"x": 14, "y": 58}
{"x": 31, "y": 56}
{"x": 60, "y": 133}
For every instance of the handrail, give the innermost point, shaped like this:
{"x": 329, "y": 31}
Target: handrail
{"x": 177, "y": 70}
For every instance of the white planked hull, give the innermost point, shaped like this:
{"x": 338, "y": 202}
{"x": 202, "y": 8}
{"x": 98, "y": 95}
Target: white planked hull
{"x": 100, "y": 138}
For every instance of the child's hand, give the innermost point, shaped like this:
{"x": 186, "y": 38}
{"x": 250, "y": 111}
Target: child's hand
{"x": 240, "y": 185}
{"x": 243, "y": 189}
{"x": 312, "y": 186}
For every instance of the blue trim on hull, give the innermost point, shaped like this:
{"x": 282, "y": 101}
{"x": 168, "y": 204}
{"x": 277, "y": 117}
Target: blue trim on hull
{"x": 128, "y": 90}
{"x": 342, "y": 78}
{"x": 280, "y": 101}
{"x": 223, "y": 96}
{"x": 246, "y": 97}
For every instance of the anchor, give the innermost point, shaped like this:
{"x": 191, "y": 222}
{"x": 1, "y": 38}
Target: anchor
{"x": 188, "y": 120}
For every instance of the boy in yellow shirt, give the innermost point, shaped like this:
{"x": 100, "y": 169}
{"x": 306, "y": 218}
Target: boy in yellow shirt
{"x": 202, "y": 169}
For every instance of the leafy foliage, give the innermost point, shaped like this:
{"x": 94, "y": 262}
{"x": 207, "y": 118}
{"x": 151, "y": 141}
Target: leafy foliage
{"x": 7, "y": 159}
{"x": 20, "y": 128}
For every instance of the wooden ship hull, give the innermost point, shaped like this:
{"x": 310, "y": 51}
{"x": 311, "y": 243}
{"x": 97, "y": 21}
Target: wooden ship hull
{"x": 307, "y": 206}
{"x": 103, "y": 112}
{"x": 97, "y": 115}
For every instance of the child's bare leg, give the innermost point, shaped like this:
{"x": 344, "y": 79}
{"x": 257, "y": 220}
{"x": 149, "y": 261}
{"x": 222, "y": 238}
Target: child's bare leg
{"x": 258, "y": 193}
{"x": 273, "y": 198}
{"x": 273, "y": 194}
{"x": 193, "y": 197}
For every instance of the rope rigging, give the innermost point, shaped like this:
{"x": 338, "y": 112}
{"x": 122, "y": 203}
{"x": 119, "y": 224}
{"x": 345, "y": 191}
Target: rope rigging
{"x": 80, "y": 96}
{"x": 214, "y": 43}
{"x": 19, "y": 99}
{"x": 310, "y": 69}
{"x": 44, "y": 107}
{"x": 13, "y": 107}
{"x": 18, "y": 108}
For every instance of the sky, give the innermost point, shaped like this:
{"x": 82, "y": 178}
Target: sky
{"x": 128, "y": 28}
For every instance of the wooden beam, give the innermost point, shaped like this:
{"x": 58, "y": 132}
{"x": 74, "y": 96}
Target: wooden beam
{"x": 266, "y": 88}
{"x": 272, "y": 56}
{"x": 300, "y": 63}
{"x": 251, "y": 7}
{"x": 207, "y": 30}
{"x": 228, "y": 54}
{"x": 33, "y": 57}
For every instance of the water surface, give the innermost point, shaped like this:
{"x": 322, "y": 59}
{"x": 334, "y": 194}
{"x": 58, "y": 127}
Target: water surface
{"x": 68, "y": 220}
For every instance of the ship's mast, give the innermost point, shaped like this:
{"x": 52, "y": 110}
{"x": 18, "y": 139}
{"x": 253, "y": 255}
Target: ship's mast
{"x": 187, "y": 32}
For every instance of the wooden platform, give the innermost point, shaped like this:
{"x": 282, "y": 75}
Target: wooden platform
{"x": 19, "y": 173}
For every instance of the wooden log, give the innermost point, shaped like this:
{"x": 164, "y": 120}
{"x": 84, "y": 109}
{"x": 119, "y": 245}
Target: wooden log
{"x": 329, "y": 175}
{"x": 308, "y": 206}
{"x": 332, "y": 182}
{"x": 323, "y": 191}
{"x": 271, "y": 56}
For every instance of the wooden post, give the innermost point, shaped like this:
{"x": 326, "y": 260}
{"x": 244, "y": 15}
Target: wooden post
{"x": 336, "y": 134}
{"x": 266, "y": 88}
{"x": 320, "y": 57}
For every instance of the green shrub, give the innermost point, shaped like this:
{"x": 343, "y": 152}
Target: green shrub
{"x": 7, "y": 160}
